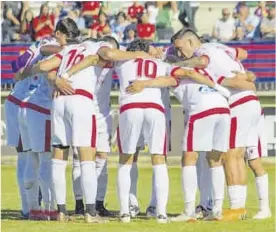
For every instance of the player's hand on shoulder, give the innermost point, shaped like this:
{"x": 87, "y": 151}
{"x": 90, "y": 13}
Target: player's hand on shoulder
{"x": 143, "y": 55}
{"x": 239, "y": 75}
{"x": 135, "y": 87}
{"x": 19, "y": 75}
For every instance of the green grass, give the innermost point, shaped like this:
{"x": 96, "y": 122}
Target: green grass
{"x": 10, "y": 204}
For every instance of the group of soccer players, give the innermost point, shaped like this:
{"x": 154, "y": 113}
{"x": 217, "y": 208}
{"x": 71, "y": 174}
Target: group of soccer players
{"x": 62, "y": 100}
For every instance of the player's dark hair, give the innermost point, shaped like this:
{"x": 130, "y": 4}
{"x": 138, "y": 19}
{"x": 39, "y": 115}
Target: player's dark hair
{"x": 68, "y": 27}
{"x": 110, "y": 39}
{"x": 184, "y": 32}
{"x": 91, "y": 39}
{"x": 138, "y": 45}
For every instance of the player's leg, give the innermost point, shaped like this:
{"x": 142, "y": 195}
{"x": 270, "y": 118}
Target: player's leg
{"x": 219, "y": 146}
{"x": 77, "y": 189}
{"x": 128, "y": 132}
{"x": 156, "y": 136}
{"x": 204, "y": 185}
{"x": 254, "y": 155}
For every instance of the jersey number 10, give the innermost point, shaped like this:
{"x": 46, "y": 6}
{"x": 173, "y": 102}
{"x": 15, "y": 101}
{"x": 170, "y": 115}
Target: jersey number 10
{"x": 73, "y": 58}
{"x": 146, "y": 68}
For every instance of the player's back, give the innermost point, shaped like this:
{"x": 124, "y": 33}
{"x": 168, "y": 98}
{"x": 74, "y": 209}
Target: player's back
{"x": 140, "y": 69}
{"x": 85, "y": 79}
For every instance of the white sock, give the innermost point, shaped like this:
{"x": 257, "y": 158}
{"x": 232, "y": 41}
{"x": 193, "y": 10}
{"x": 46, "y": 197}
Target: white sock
{"x": 59, "y": 180}
{"x": 189, "y": 186}
{"x": 153, "y": 192}
{"x": 161, "y": 185}
{"x": 89, "y": 181}
{"x": 101, "y": 170}
{"x": 204, "y": 181}
{"x": 45, "y": 170}
{"x": 31, "y": 180}
{"x": 243, "y": 190}
{"x": 20, "y": 169}
{"x": 263, "y": 194}
{"x": 76, "y": 179}
{"x": 217, "y": 180}
{"x": 123, "y": 185}
{"x": 236, "y": 194}
{"x": 133, "y": 186}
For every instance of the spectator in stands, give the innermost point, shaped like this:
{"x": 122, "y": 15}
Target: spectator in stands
{"x": 224, "y": 29}
{"x": 13, "y": 14}
{"x": 246, "y": 24}
{"x": 44, "y": 23}
{"x": 145, "y": 30}
{"x": 119, "y": 26}
{"x": 27, "y": 27}
{"x": 90, "y": 12}
{"x": 134, "y": 11}
{"x": 262, "y": 10}
{"x": 237, "y": 9}
{"x": 75, "y": 15}
{"x": 152, "y": 11}
{"x": 268, "y": 25}
{"x": 130, "y": 34}
{"x": 101, "y": 27}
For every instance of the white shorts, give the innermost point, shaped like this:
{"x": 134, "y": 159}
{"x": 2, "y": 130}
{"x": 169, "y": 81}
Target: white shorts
{"x": 244, "y": 124}
{"x": 24, "y": 129}
{"x": 74, "y": 121}
{"x": 39, "y": 129}
{"x": 207, "y": 131}
{"x": 12, "y": 125}
{"x": 260, "y": 150}
{"x": 147, "y": 121}
{"x": 104, "y": 128}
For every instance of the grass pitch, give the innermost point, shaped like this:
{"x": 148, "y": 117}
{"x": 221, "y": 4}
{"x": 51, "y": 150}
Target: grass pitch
{"x": 11, "y": 205}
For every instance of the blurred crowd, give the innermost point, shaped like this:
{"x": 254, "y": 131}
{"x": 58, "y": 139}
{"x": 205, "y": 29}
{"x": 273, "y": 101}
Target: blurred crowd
{"x": 151, "y": 20}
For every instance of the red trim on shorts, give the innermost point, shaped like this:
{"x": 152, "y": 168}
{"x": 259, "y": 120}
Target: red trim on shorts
{"x": 233, "y": 132}
{"x": 94, "y": 131}
{"x": 165, "y": 144}
{"x": 35, "y": 107}
{"x": 220, "y": 79}
{"x": 20, "y": 145}
{"x": 141, "y": 105}
{"x": 14, "y": 100}
{"x": 259, "y": 147}
{"x": 47, "y": 144}
{"x": 119, "y": 140}
{"x": 244, "y": 100}
{"x": 58, "y": 56}
{"x": 198, "y": 116}
{"x": 83, "y": 93}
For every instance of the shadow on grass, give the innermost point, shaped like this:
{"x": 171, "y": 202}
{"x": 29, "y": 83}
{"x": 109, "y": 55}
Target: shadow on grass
{"x": 8, "y": 214}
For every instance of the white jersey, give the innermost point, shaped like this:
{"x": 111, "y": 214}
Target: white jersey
{"x": 196, "y": 98}
{"x": 31, "y": 56}
{"x": 141, "y": 69}
{"x": 222, "y": 61}
{"x": 87, "y": 78}
{"x": 103, "y": 91}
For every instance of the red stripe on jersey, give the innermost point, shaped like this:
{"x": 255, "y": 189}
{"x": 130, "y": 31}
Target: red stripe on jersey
{"x": 142, "y": 105}
{"x": 174, "y": 70}
{"x": 244, "y": 100}
{"x": 35, "y": 107}
{"x": 198, "y": 116}
{"x": 204, "y": 72}
{"x": 237, "y": 53}
{"x": 94, "y": 131}
{"x": 14, "y": 100}
{"x": 47, "y": 144}
{"x": 58, "y": 56}
{"x": 220, "y": 79}
{"x": 119, "y": 140}
{"x": 233, "y": 131}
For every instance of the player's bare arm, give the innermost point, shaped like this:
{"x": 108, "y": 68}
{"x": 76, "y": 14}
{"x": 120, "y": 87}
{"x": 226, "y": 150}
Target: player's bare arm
{"x": 41, "y": 67}
{"x": 159, "y": 82}
{"x": 113, "y": 54}
{"x": 238, "y": 83}
{"x": 48, "y": 50}
{"x": 91, "y": 60}
{"x": 60, "y": 84}
{"x": 199, "y": 62}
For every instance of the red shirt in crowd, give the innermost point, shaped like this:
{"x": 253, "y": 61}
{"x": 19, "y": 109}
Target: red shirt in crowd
{"x": 91, "y": 6}
{"x": 98, "y": 27}
{"x": 46, "y": 30}
{"x": 145, "y": 30}
{"x": 133, "y": 11}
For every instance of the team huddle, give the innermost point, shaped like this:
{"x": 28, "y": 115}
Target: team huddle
{"x": 62, "y": 100}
